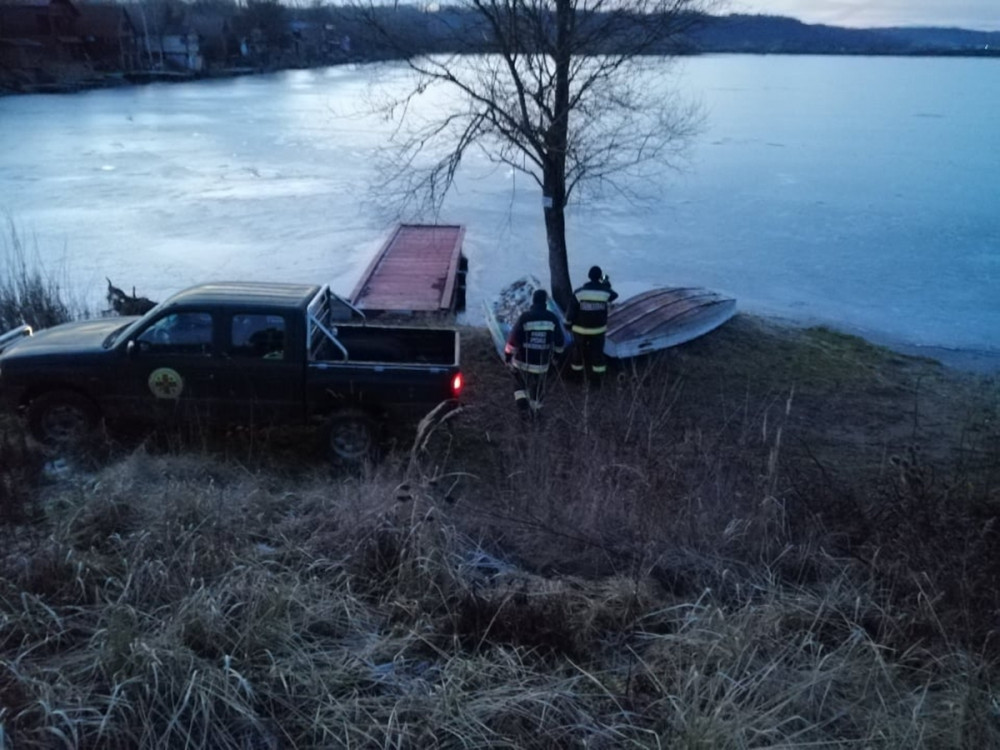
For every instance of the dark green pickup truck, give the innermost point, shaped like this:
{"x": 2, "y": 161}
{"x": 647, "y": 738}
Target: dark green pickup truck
{"x": 233, "y": 353}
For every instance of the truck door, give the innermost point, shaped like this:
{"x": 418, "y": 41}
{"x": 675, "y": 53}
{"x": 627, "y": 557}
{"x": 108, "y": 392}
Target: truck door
{"x": 171, "y": 368}
{"x": 262, "y": 383}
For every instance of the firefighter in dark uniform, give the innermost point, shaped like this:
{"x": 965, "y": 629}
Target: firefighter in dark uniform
{"x": 588, "y": 318}
{"x": 535, "y": 336}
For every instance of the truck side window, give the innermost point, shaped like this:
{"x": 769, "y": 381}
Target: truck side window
{"x": 256, "y": 336}
{"x": 179, "y": 333}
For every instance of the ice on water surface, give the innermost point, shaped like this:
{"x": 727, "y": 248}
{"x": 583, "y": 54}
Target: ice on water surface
{"x": 823, "y": 204}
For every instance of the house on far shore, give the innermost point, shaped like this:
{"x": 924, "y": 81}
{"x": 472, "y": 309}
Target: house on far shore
{"x": 179, "y": 50}
{"x": 110, "y": 38}
{"x": 38, "y": 33}
{"x": 308, "y": 42}
{"x": 218, "y": 43}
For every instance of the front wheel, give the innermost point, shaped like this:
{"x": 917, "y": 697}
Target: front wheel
{"x": 352, "y": 436}
{"x": 62, "y": 418}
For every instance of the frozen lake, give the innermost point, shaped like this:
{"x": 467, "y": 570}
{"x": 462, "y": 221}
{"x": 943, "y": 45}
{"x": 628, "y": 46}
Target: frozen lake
{"x": 858, "y": 192}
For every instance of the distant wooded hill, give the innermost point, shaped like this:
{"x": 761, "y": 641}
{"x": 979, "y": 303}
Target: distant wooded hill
{"x": 458, "y": 29}
{"x": 780, "y": 35}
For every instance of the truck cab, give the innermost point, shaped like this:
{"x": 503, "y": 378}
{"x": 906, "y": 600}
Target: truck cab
{"x": 230, "y": 353}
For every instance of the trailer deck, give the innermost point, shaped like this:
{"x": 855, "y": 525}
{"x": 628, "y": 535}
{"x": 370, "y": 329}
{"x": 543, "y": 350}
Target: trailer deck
{"x": 419, "y": 270}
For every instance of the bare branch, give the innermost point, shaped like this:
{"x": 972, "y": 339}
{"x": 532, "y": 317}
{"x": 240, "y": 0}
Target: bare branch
{"x": 561, "y": 90}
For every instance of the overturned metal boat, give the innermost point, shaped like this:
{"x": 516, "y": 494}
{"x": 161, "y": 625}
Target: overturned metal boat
{"x": 664, "y": 317}
{"x": 657, "y": 319}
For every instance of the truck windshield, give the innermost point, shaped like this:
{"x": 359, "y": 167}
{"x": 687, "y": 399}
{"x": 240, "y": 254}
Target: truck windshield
{"x": 122, "y": 332}
{"x": 113, "y": 336}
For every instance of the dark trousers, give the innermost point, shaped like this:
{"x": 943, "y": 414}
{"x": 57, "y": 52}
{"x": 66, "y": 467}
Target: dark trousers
{"x": 529, "y": 387}
{"x": 588, "y": 355}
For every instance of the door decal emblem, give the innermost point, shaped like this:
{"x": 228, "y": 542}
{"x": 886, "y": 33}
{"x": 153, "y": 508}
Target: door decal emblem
{"x": 165, "y": 382}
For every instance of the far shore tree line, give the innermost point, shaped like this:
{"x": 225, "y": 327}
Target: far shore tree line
{"x": 72, "y": 44}
{"x": 77, "y": 43}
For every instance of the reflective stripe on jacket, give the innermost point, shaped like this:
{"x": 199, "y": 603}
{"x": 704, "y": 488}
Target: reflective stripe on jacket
{"x": 533, "y": 338}
{"x": 588, "y": 310}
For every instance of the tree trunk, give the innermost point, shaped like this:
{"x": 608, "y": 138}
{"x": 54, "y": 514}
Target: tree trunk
{"x": 555, "y": 234}
{"x": 556, "y": 144}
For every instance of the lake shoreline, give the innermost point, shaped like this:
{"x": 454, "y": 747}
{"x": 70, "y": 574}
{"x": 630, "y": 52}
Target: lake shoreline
{"x": 140, "y": 78}
{"x": 975, "y": 361}
{"x": 96, "y": 81}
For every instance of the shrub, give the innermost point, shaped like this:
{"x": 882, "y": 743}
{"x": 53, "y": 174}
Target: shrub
{"x": 27, "y": 293}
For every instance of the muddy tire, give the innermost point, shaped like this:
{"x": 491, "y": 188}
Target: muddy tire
{"x": 62, "y": 418}
{"x": 352, "y": 437}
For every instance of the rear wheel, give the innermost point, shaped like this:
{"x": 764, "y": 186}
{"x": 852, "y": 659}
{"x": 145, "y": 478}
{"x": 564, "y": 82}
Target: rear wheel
{"x": 62, "y": 418}
{"x": 352, "y": 436}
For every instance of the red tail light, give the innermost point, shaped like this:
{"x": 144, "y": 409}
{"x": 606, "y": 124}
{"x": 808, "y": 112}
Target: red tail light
{"x": 456, "y": 385}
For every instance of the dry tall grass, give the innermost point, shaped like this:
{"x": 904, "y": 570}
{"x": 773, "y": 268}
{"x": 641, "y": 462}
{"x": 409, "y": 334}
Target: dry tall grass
{"x": 620, "y": 574}
{"x": 757, "y": 541}
{"x": 177, "y": 602}
{"x": 28, "y": 294}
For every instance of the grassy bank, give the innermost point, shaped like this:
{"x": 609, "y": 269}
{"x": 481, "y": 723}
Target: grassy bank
{"x": 765, "y": 538}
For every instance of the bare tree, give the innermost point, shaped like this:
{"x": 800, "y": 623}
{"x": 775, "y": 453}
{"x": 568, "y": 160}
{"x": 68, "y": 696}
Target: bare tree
{"x": 558, "y": 93}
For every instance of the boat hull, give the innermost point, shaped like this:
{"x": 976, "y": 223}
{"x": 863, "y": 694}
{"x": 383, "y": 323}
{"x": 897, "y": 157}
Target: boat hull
{"x": 664, "y": 317}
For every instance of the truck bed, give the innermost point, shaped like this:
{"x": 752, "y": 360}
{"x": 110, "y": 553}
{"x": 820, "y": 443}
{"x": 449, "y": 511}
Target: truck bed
{"x": 391, "y": 345}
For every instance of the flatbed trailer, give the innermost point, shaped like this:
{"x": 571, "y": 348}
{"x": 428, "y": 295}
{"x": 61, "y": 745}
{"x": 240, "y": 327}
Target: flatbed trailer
{"x": 420, "y": 270}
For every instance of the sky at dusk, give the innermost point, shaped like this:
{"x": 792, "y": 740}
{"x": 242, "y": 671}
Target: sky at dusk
{"x": 969, "y": 14}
